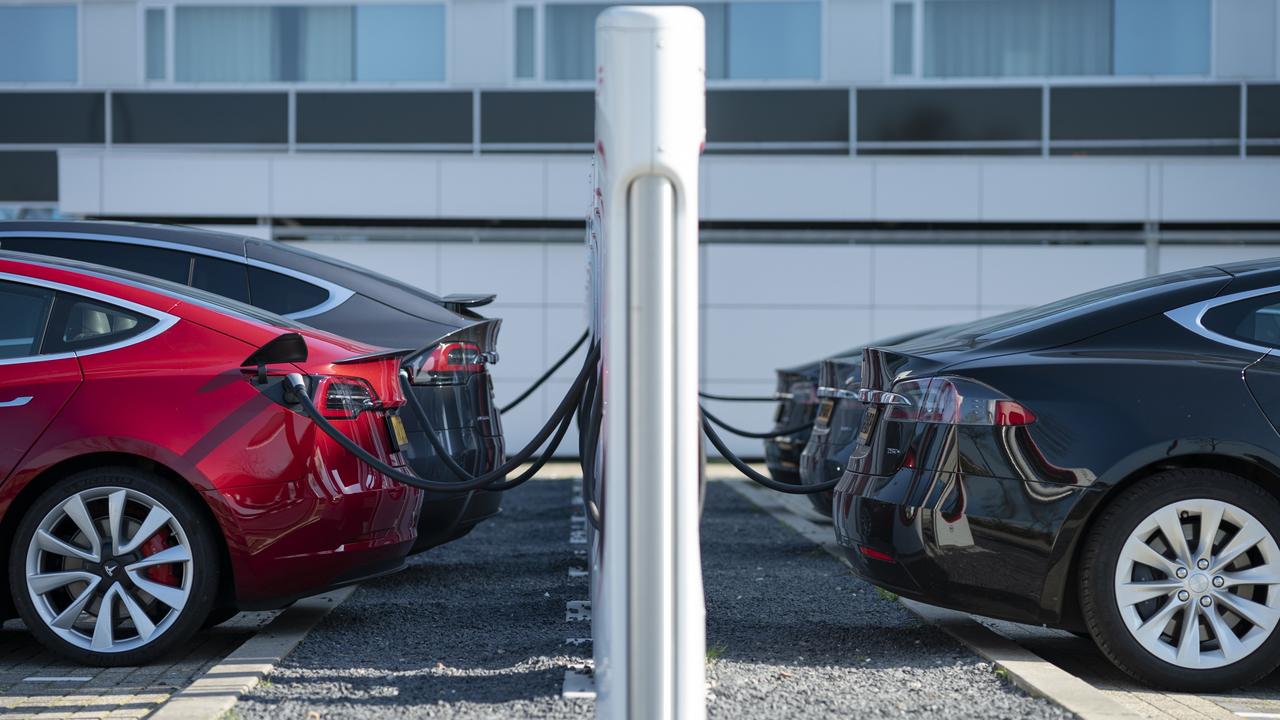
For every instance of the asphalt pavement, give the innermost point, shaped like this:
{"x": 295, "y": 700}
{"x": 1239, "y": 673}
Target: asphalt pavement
{"x": 478, "y": 628}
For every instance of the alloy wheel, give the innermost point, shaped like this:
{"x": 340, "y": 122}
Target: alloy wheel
{"x": 109, "y": 569}
{"x": 1197, "y": 583}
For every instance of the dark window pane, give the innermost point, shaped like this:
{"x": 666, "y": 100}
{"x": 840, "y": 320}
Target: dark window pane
{"x": 1264, "y": 111}
{"x": 29, "y": 175}
{"x": 157, "y": 262}
{"x": 384, "y": 117}
{"x": 558, "y": 116}
{"x": 80, "y": 324}
{"x": 1256, "y": 320}
{"x": 52, "y": 117}
{"x": 1145, "y": 113}
{"x": 221, "y": 277}
{"x": 23, "y": 310}
{"x": 206, "y": 117}
{"x": 777, "y": 116}
{"x": 951, "y": 114}
{"x": 282, "y": 294}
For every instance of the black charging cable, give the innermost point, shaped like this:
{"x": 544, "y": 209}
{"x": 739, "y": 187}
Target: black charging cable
{"x": 757, "y": 435}
{"x": 546, "y": 375}
{"x": 738, "y": 398}
{"x": 751, "y": 474}
{"x": 559, "y": 423}
{"x": 589, "y": 447}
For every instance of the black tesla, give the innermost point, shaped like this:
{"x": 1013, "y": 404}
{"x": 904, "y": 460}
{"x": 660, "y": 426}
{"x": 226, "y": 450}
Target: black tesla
{"x": 1108, "y": 463}
{"x": 343, "y": 299}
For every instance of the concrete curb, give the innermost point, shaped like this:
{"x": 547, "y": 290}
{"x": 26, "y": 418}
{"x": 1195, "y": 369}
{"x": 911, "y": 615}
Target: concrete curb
{"x": 211, "y": 695}
{"x": 1028, "y": 671}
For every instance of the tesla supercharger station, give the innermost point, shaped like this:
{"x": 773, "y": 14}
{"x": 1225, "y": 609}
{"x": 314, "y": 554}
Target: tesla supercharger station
{"x": 648, "y": 614}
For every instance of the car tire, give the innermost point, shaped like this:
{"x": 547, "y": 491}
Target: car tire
{"x": 61, "y": 577}
{"x": 1169, "y": 619}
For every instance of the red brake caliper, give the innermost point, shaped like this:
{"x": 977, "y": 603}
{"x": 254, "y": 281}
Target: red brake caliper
{"x": 163, "y": 574}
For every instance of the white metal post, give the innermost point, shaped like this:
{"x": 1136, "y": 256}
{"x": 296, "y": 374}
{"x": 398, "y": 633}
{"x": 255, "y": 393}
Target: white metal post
{"x": 647, "y": 599}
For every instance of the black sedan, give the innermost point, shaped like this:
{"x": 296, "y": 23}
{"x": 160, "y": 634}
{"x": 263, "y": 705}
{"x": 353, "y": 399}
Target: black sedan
{"x": 1107, "y": 463}
{"x": 342, "y": 299}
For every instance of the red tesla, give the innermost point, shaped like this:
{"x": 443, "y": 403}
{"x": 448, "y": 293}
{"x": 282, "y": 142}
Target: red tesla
{"x": 155, "y": 477}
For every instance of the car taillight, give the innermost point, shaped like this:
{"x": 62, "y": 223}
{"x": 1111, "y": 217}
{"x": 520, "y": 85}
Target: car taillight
{"x": 954, "y": 401}
{"x": 446, "y": 361}
{"x": 345, "y": 398}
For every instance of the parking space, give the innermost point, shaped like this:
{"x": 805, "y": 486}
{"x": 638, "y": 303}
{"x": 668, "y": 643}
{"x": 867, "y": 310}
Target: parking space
{"x": 34, "y": 683}
{"x": 479, "y": 628}
{"x": 1061, "y": 653}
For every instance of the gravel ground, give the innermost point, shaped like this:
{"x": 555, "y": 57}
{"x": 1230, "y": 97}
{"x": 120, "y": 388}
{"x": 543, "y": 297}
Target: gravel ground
{"x": 477, "y": 629}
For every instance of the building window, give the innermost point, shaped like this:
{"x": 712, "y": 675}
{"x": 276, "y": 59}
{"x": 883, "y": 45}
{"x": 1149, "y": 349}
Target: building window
{"x": 1052, "y": 38}
{"x": 38, "y": 43}
{"x": 745, "y": 40}
{"x": 322, "y": 43}
{"x": 904, "y": 33}
{"x": 526, "y": 40}
{"x": 156, "y": 44}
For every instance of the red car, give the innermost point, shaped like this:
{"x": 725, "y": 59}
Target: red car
{"x": 155, "y": 479}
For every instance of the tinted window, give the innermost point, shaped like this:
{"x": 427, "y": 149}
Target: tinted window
{"x": 200, "y": 117}
{"x": 29, "y": 175}
{"x": 23, "y": 311}
{"x": 157, "y": 262}
{"x": 220, "y": 277}
{"x": 1256, "y": 320}
{"x": 81, "y": 324}
{"x": 281, "y": 293}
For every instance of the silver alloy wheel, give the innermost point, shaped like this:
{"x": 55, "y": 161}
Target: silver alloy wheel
{"x": 1196, "y": 583}
{"x": 91, "y": 573}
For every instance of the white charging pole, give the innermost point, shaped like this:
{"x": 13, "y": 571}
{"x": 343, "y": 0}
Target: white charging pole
{"x": 647, "y": 599}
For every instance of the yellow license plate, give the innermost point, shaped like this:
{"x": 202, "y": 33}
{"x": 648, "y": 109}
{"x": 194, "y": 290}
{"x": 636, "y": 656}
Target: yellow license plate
{"x": 397, "y": 431}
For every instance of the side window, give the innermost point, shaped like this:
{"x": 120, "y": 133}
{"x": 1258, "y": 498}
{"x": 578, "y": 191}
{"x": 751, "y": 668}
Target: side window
{"x": 24, "y": 310}
{"x": 157, "y": 262}
{"x": 1255, "y": 320}
{"x": 220, "y": 277}
{"x": 282, "y": 294}
{"x": 82, "y": 324}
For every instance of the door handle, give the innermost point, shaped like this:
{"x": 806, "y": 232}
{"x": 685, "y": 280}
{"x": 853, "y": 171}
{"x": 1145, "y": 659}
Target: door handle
{"x": 16, "y": 402}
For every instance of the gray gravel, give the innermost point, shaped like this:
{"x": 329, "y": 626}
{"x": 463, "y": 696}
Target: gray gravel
{"x": 477, "y": 629}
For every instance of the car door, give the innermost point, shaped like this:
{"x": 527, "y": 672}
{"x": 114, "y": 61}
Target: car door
{"x": 34, "y": 384}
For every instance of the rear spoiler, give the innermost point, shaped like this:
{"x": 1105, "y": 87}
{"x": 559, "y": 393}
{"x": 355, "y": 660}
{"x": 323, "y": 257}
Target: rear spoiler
{"x": 461, "y": 301}
{"x": 376, "y": 355}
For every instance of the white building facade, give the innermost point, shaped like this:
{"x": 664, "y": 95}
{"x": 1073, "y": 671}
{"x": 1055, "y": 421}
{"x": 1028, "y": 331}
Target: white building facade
{"x": 871, "y": 166}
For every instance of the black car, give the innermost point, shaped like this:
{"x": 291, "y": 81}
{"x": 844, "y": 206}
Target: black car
{"x": 797, "y": 402}
{"x": 342, "y": 299}
{"x": 1108, "y": 463}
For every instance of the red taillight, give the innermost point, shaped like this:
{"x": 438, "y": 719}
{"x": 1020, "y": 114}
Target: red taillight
{"x": 445, "y": 362}
{"x": 345, "y": 397}
{"x": 1009, "y": 412}
{"x": 955, "y": 401}
{"x": 875, "y": 554}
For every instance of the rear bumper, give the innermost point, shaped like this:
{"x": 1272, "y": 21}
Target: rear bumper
{"x": 979, "y": 544}
{"x": 782, "y": 456}
{"x": 294, "y": 539}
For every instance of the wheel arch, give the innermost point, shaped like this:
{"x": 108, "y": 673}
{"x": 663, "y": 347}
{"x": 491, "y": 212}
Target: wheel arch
{"x": 1256, "y": 468}
{"x": 38, "y": 483}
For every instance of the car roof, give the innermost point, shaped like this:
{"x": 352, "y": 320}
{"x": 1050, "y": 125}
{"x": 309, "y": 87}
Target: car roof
{"x": 222, "y": 242}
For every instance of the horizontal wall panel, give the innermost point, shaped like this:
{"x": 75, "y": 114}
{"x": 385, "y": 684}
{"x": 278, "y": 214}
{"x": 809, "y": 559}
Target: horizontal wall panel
{"x": 1159, "y": 112}
{"x": 948, "y": 114}
{"x": 559, "y": 116}
{"x": 28, "y": 176}
{"x": 384, "y": 117}
{"x": 238, "y": 118}
{"x": 52, "y": 117}
{"x": 777, "y": 116}
{"x": 1264, "y": 111}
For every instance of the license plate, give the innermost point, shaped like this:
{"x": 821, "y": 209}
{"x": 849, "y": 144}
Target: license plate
{"x": 868, "y": 425}
{"x": 824, "y": 411}
{"x": 396, "y": 426}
